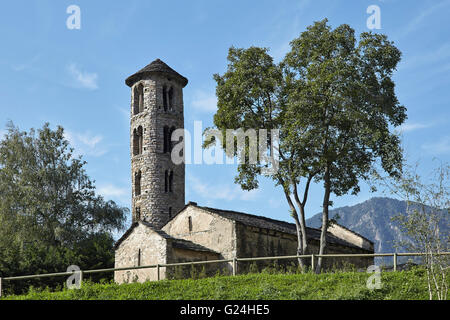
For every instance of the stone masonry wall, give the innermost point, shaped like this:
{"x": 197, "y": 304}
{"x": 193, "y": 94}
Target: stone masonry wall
{"x": 209, "y": 230}
{"x": 258, "y": 242}
{"x": 153, "y": 250}
{"x": 154, "y": 202}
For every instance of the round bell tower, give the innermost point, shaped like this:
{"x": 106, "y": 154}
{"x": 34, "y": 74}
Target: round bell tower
{"x": 156, "y": 111}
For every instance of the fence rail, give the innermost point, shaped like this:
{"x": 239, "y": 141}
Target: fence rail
{"x": 234, "y": 264}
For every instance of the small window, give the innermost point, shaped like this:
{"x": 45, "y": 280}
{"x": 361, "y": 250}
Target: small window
{"x": 138, "y": 141}
{"x": 190, "y": 223}
{"x": 169, "y": 142}
{"x": 138, "y": 213}
{"x": 166, "y": 181}
{"x": 139, "y": 258}
{"x": 171, "y": 181}
{"x": 166, "y": 137}
{"x": 170, "y": 212}
{"x": 137, "y": 183}
{"x": 138, "y": 102}
{"x": 170, "y": 98}
{"x": 165, "y": 98}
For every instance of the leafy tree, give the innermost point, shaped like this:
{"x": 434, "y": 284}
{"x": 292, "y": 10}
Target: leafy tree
{"x": 342, "y": 93}
{"x": 50, "y": 216}
{"x": 426, "y": 222}
{"x": 251, "y": 95}
{"x": 333, "y": 101}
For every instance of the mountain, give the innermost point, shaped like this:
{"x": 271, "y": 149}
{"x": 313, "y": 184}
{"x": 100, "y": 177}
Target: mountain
{"x": 371, "y": 219}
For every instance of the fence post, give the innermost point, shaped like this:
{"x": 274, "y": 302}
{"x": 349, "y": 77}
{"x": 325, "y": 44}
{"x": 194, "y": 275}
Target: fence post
{"x": 312, "y": 263}
{"x": 395, "y": 261}
{"x": 234, "y": 266}
{"x": 0, "y": 287}
{"x": 81, "y": 278}
{"x": 157, "y": 269}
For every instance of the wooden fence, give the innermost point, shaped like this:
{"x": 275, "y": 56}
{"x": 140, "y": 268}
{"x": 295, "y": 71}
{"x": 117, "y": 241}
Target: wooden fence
{"x": 234, "y": 261}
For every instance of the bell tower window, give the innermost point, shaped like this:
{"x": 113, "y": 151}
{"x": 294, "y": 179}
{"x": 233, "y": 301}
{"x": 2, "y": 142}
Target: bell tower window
{"x": 138, "y": 103}
{"x": 166, "y": 137}
{"x": 166, "y": 181}
{"x": 165, "y": 98}
{"x": 137, "y": 183}
{"x": 138, "y": 213}
{"x": 170, "y": 98}
{"x": 171, "y": 181}
{"x": 137, "y": 141}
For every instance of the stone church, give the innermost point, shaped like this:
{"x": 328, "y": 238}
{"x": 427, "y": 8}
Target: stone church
{"x": 164, "y": 229}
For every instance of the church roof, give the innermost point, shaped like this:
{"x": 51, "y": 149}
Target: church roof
{"x": 176, "y": 243}
{"x": 157, "y": 66}
{"x": 276, "y": 225}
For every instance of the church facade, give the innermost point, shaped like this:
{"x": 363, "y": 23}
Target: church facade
{"x": 164, "y": 230}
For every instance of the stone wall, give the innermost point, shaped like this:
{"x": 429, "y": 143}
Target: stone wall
{"x": 259, "y": 242}
{"x": 208, "y": 230}
{"x": 153, "y": 250}
{"x": 350, "y": 236}
{"x": 178, "y": 255}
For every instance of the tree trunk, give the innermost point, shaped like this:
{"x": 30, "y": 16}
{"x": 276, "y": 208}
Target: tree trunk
{"x": 301, "y": 230}
{"x": 323, "y": 233}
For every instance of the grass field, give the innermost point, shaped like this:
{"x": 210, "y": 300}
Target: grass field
{"x": 402, "y": 285}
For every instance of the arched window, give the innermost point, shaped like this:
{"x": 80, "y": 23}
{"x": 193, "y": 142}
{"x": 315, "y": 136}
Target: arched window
{"x": 138, "y": 139}
{"x": 141, "y": 138}
{"x": 138, "y": 103}
{"x": 137, "y": 183}
{"x": 171, "y": 181}
{"x": 165, "y": 98}
{"x": 171, "y": 98}
{"x": 166, "y": 139}
{"x": 138, "y": 213}
{"x": 170, "y": 142}
{"x": 135, "y": 142}
{"x": 190, "y": 223}
{"x": 166, "y": 181}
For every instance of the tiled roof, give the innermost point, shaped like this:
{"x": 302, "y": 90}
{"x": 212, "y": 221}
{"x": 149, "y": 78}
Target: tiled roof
{"x": 157, "y": 66}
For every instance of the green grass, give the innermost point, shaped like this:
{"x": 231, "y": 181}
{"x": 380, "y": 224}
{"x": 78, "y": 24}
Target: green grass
{"x": 343, "y": 285}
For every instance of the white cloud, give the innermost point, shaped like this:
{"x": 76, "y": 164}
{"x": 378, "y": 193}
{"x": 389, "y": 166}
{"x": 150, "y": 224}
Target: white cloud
{"x": 415, "y": 23}
{"x": 26, "y": 65}
{"x": 220, "y": 192}
{"x": 205, "y": 102}
{"x": 439, "y": 147}
{"x": 407, "y": 127}
{"x": 86, "y": 143}
{"x": 110, "y": 191}
{"x": 433, "y": 56}
{"x": 82, "y": 79}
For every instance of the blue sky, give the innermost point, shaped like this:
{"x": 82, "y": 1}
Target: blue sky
{"x": 75, "y": 78}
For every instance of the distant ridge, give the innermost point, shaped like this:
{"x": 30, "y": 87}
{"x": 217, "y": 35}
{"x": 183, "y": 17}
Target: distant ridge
{"x": 372, "y": 219}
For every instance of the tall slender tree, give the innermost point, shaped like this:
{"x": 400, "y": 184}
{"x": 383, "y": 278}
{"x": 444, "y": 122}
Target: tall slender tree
{"x": 348, "y": 90}
{"x": 333, "y": 101}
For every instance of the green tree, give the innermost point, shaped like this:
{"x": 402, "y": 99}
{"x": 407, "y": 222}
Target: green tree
{"x": 342, "y": 90}
{"x": 50, "y": 216}
{"x": 332, "y": 100}
{"x": 425, "y": 222}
